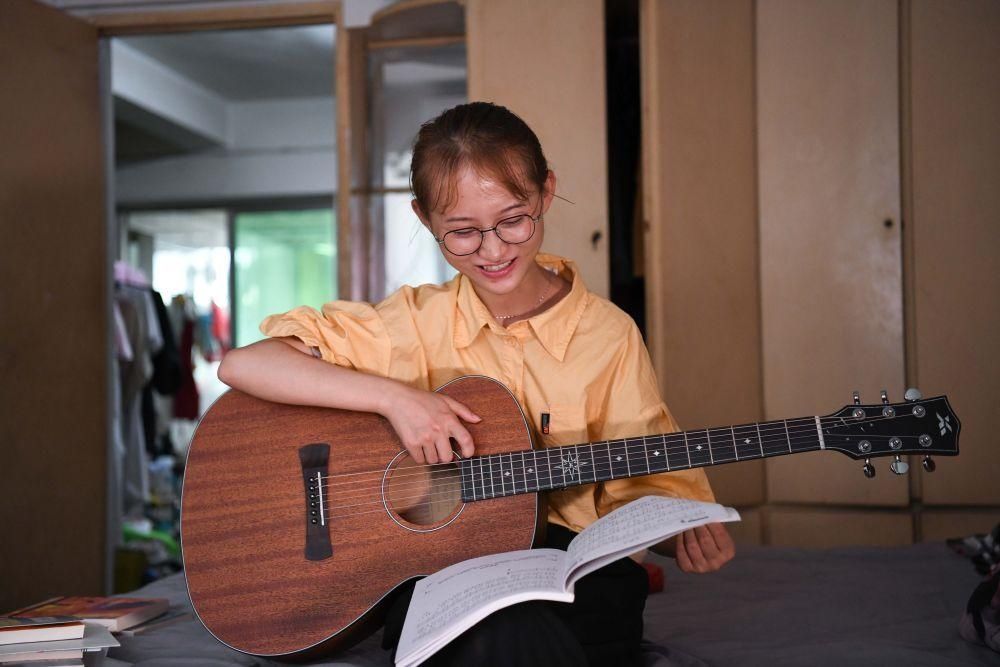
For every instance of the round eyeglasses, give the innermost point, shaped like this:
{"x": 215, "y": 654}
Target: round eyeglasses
{"x": 468, "y": 240}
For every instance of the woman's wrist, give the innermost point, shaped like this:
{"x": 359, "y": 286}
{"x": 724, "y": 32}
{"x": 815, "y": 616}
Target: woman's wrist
{"x": 388, "y": 393}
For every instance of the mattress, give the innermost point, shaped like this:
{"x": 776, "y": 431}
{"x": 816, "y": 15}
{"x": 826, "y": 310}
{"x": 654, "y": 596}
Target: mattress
{"x": 770, "y": 606}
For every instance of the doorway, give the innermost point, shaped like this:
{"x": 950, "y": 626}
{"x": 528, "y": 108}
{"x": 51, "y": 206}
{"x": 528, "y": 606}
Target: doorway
{"x": 224, "y": 177}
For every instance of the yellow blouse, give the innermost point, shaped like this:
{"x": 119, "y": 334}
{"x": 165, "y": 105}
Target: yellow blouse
{"x": 582, "y": 361}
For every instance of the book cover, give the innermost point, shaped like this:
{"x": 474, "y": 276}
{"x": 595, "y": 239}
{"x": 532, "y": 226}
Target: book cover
{"x": 18, "y": 629}
{"x": 114, "y": 613}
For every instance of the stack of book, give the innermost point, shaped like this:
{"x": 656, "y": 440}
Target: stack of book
{"x": 58, "y": 632}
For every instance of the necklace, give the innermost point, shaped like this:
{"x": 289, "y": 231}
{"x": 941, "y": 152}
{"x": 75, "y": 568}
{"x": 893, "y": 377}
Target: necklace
{"x": 541, "y": 299}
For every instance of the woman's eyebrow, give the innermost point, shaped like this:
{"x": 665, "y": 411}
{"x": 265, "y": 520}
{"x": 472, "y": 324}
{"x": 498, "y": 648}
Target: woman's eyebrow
{"x": 459, "y": 218}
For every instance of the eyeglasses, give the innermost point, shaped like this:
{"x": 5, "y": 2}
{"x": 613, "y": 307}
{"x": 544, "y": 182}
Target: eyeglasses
{"x": 468, "y": 240}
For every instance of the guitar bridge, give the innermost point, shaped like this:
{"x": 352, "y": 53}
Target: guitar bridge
{"x": 315, "y": 465}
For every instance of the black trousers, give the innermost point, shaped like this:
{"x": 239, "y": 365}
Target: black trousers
{"x": 603, "y": 626}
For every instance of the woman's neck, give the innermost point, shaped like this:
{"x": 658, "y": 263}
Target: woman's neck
{"x": 540, "y": 290}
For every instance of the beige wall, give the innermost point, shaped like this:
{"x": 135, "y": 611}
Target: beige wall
{"x": 545, "y": 62}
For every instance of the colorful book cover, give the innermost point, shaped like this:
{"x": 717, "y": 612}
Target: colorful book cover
{"x": 114, "y": 613}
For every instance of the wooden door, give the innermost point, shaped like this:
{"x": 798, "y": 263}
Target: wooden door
{"x": 559, "y": 92}
{"x": 699, "y": 207}
{"x": 954, "y": 244}
{"x": 55, "y": 280}
{"x": 830, "y": 243}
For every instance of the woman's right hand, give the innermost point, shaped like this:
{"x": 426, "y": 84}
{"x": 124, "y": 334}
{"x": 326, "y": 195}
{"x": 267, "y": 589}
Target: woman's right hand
{"x": 426, "y": 422}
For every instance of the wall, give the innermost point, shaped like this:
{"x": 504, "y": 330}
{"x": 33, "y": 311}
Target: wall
{"x": 273, "y": 149}
{"x": 239, "y": 149}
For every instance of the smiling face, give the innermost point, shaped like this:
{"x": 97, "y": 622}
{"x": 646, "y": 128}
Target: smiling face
{"x": 505, "y": 276}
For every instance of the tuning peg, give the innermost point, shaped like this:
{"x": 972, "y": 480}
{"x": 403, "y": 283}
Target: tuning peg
{"x": 857, "y": 398}
{"x": 885, "y": 397}
{"x": 929, "y": 464}
{"x": 899, "y": 466}
{"x": 868, "y": 469}
{"x": 913, "y": 394}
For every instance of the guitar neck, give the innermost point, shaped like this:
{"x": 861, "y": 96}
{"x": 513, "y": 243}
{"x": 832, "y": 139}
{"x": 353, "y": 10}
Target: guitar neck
{"x": 531, "y": 471}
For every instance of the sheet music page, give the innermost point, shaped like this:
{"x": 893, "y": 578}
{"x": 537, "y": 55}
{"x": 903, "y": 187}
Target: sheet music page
{"x": 450, "y": 601}
{"x": 637, "y": 525}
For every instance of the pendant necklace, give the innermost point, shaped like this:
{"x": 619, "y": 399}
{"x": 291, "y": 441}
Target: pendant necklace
{"x": 541, "y": 300}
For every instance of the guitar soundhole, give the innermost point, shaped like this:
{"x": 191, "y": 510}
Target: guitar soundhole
{"x": 423, "y": 495}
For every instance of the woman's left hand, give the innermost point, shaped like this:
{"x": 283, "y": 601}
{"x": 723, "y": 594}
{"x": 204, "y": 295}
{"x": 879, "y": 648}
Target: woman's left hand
{"x": 704, "y": 548}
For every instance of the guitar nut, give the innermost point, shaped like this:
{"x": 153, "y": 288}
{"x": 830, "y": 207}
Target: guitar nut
{"x": 864, "y": 446}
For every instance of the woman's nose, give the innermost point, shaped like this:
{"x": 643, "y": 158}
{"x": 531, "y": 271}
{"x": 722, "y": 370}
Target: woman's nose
{"x": 492, "y": 247}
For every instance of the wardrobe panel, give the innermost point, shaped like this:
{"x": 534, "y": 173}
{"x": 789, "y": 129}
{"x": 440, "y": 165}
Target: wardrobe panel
{"x": 954, "y": 232}
{"x": 937, "y": 525}
{"x": 830, "y": 245}
{"x": 545, "y": 62}
{"x": 821, "y": 528}
{"x": 700, "y": 205}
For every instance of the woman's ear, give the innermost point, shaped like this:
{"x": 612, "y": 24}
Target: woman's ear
{"x": 415, "y": 205}
{"x": 550, "y": 190}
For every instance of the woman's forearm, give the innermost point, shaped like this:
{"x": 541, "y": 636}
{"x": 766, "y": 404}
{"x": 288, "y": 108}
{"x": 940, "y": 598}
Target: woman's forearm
{"x": 283, "y": 371}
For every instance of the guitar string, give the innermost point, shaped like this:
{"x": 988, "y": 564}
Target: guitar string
{"x": 636, "y": 454}
{"x": 811, "y": 425}
{"x": 639, "y": 448}
{"x": 453, "y": 488}
{"x": 442, "y": 492}
{"x": 490, "y": 467}
{"x": 806, "y": 429}
{"x": 453, "y": 478}
{"x": 808, "y": 425}
{"x": 427, "y": 499}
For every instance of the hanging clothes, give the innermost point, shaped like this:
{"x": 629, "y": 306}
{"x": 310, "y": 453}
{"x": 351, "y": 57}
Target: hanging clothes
{"x": 165, "y": 380}
{"x": 146, "y": 339}
{"x": 187, "y": 399}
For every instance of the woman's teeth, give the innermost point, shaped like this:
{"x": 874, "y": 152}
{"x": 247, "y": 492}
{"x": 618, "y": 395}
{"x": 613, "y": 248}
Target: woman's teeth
{"x": 496, "y": 267}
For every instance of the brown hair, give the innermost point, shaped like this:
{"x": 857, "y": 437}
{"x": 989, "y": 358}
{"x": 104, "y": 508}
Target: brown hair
{"x": 486, "y": 137}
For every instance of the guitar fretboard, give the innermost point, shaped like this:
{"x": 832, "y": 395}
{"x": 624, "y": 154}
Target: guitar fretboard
{"x": 508, "y": 474}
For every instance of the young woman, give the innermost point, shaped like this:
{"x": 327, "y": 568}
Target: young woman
{"x": 481, "y": 186}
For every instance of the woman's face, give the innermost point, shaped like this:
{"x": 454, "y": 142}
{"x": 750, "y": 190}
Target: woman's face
{"x": 497, "y": 268}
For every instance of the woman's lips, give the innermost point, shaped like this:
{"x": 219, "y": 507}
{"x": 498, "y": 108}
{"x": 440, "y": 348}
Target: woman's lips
{"x": 505, "y": 269}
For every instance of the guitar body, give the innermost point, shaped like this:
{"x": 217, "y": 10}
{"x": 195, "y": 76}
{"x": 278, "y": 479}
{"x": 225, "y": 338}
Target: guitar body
{"x": 264, "y": 579}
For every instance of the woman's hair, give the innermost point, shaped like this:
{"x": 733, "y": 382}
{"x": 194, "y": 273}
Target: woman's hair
{"x": 490, "y": 139}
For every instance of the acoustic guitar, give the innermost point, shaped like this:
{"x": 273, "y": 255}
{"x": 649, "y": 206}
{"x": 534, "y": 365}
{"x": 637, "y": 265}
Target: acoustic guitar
{"x": 297, "y": 523}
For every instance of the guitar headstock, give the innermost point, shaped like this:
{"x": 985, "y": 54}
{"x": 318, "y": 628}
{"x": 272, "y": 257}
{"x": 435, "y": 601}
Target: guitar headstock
{"x": 918, "y": 426}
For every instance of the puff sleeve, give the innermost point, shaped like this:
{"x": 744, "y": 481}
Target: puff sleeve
{"x": 347, "y": 333}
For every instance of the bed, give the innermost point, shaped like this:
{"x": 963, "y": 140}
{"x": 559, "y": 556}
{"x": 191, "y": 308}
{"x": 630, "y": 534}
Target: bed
{"x": 771, "y": 606}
